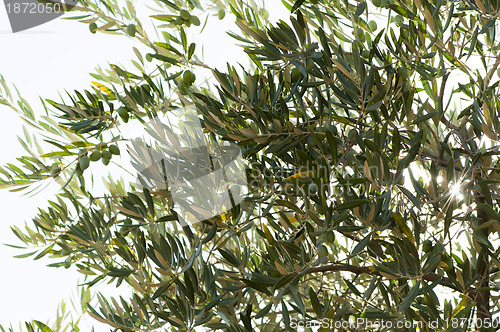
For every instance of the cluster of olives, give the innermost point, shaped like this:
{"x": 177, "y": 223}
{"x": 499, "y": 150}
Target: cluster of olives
{"x": 188, "y": 78}
{"x": 186, "y": 18}
{"x": 104, "y": 154}
{"x": 131, "y": 29}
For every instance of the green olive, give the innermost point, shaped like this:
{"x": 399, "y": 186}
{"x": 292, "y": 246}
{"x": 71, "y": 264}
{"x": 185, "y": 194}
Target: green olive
{"x": 185, "y": 14}
{"x": 319, "y": 208}
{"x": 149, "y": 57}
{"x": 114, "y": 149}
{"x": 84, "y": 162}
{"x": 330, "y": 237}
{"x": 195, "y": 20}
{"x": 131, "y": 29}
{"x": 221, "y": 14}
{"x": 106, "y": 154}
{"x": 311, "y": 141}
{"x": 365, "y": 54}
{"x": 296, "y": 74}
{"x": 322, "y": 251}
{"x": 105, "y": 161}
{"x": 402, "y": 72}
{"x": 178, "y": 20}
{"x": 361, "y": 35}
{"x": 427, "y": 245}
{"x": 351, "y": 157}
{"x": 309, "y": 64}
{"x": 95, "y": 156}
{"x": 448, "y": 261}
{"x": 372, "y": 25}
{"x": 377, "y": 3}
{"x": 187, "y": 76}
{"x": 55, "y": 169}
{"x": 93, "y": 27}
{"x": 332, "y": 128}
{"x": 313, "y": 188}
{"x": 438, "y": 247}
{"x": 123, "y": 113}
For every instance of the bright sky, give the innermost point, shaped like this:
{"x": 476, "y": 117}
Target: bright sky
{"x": 42, "y": 62}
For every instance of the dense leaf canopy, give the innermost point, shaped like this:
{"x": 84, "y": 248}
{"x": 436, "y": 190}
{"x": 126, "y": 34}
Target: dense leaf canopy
{"x": 369, "y": 131}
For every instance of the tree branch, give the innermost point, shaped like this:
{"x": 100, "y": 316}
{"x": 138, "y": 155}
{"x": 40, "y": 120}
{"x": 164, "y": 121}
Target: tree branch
{"x": 443, "y": 281}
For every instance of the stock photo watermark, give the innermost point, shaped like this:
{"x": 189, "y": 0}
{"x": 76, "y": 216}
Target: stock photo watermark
{"x": 365, "y": 324}
{"x": 27, "y": 14}
{"x": 207, "y": 178}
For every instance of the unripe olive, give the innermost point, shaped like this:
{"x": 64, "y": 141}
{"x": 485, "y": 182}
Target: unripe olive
{"x": 149, "y": 57}
{"x": 195, "y": 20}
{"x": 362, "y": 37}
{"x": 427, "y": 245}
{"x": 84, "y": 162}
{"x": 131, "y": 29}
{"x": 55, "y": 169}
{"x": 95, "y": 156}
{"x": 178, "y": 20}
{"x": 123, "y": 113}
{"x": 439, "y": 247}
{"x": 114, "y": 149}
{"x": 319, "y": 208}
{"x": 322, "y": 251}
{"x": 221, "y": 14}
{"x": 330, "y": 237}
{"x": 448, "y": 261}
{"x": 332, "y": 129}
{"x": 313, "y": 188}
{"x": 402, "y": 72}
{"x": 295, "y": 74}
{"x": 372, "y": 25}
{"x": 377, "y": 3}
{"x": 309, "y": 64}
{"x": 399, "y": 19}
{"x": 351, "y": 157}
{"x": 107, "y": 154}
{"x": 187, "y": 76}
{"x": 105, "y": 161}
{"x": 311, "y": 141}
{"x": 185, "y": 14}
{"x": 93, "y": 27}
{"x": 365, "y": 54}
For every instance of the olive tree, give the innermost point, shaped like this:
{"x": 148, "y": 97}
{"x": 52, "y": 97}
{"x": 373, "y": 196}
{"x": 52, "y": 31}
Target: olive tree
{"x": 369, "y": 133}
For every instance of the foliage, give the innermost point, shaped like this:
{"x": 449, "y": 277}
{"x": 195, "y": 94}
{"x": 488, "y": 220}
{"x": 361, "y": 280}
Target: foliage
{"x": 370, "y": 131}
